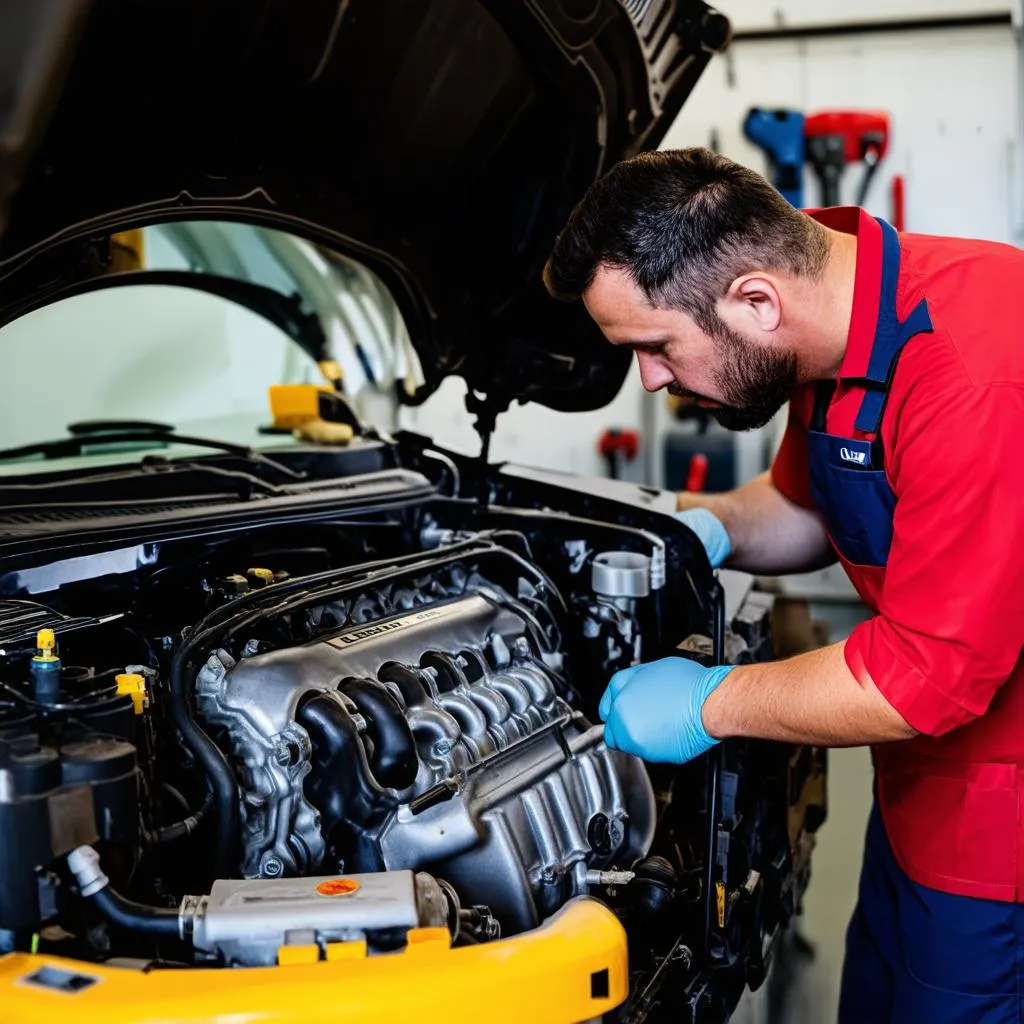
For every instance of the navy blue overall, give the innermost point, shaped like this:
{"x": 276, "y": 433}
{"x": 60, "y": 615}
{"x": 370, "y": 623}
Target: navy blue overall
{"x": 914, "y": 955}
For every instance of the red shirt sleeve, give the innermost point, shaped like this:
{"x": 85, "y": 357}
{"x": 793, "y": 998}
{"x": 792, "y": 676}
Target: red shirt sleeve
{"x": 790, "y": 470}
{"x": 950, "y": 623}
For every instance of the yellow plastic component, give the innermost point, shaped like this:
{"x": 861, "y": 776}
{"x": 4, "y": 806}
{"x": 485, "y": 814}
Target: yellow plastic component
{"x": 135, "y": 687}
{"x": 292, "y": 405}
{"x": 557, "y": 974}
{"x": 289, "y": 956}
{"x": 355, "y": 950}
{"x": 426, "y": 940}
{"x": 265, "y": 576}
{"x": 47, "y": 644}
{"x": 322, "y": 432}
{"x": 331, "y": 369}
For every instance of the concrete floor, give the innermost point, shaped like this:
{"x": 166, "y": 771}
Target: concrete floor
{"x": 813, "y": 995}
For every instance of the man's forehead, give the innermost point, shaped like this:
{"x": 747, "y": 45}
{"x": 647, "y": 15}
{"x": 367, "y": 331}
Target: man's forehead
{"x": 614, "y": 295}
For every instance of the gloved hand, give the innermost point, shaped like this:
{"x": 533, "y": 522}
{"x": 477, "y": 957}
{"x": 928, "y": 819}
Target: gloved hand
{"x": 654, "y": 710}
{"x": 711, "y": 532}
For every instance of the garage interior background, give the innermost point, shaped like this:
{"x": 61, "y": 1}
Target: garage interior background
{"x": 948, "y": 72}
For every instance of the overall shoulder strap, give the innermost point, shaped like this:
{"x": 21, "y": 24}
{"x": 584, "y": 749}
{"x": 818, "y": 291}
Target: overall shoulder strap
{"x": 891, "y": 335}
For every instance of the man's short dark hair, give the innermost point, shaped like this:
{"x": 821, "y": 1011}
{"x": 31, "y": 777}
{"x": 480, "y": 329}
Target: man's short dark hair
{"x": 684, "y": 224}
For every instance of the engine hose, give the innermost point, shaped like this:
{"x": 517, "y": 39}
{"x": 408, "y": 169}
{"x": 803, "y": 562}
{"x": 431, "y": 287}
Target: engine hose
{"x": 223, "y": 787}
{"x": 180, "y": 829}
{"x": 94, "y": 885}
{"x": 136, "y": 917}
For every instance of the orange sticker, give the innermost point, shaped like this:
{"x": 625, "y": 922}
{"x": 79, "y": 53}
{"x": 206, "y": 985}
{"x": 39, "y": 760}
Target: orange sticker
{"x": 337, "y": 887}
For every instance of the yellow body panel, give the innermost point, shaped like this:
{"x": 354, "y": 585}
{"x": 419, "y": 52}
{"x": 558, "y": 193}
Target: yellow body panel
{"x": 542, "y": 977}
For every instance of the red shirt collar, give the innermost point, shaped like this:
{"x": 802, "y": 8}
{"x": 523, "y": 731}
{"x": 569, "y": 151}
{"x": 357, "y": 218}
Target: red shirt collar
{"x": 867, "y": 286}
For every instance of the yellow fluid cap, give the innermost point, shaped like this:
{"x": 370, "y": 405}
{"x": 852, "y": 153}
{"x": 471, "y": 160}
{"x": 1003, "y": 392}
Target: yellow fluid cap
{"x": 132, "y": 685}
{"x": 264, "y": 576}
{"x": 47, "y": 644}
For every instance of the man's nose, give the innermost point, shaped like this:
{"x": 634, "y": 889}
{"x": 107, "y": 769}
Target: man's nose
{"x": 654, "y": 374}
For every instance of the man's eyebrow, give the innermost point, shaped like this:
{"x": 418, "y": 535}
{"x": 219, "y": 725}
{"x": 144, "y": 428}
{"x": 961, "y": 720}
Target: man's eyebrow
{"x": 647, "y": 343}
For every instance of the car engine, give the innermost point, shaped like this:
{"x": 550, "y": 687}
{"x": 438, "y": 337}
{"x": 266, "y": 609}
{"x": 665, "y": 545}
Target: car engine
{"x": 202, "y": 735}
{"x": 428, "y": 728}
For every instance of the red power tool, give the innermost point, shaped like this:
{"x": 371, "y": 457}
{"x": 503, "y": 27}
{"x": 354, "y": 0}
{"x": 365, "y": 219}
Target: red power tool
{"x": 616, "y": 443}
{"x": 835, "y": 138}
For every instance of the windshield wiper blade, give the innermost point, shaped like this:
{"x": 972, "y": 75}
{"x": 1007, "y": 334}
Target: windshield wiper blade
{"x": 66, "y": 447}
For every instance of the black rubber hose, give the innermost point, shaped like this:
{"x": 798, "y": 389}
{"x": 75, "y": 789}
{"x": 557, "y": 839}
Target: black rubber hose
{"x": 223, "y": 787}
{"x": 136, "y": 917}
{"x": 180, "y": 829}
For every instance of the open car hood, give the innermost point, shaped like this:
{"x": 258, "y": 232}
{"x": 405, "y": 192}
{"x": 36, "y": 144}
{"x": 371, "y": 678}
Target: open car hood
{"x": 441, "y": 144}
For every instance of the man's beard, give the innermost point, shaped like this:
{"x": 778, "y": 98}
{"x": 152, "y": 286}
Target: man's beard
{"x": 754, "y": 382}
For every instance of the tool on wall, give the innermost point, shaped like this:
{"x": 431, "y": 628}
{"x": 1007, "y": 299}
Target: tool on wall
{"x": 616, "y": 444}
{"x": 779, "y": 134}
{"x": 835, "y": 138}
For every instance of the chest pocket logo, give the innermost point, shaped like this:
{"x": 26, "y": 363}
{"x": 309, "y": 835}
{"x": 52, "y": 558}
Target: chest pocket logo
{"x": 854, "y": 456}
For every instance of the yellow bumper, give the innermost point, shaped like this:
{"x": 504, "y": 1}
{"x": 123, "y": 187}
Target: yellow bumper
{"x": 573, "y": 968}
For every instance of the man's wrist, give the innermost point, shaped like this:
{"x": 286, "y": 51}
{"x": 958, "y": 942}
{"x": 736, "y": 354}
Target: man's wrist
{"x": 718, "y": 711}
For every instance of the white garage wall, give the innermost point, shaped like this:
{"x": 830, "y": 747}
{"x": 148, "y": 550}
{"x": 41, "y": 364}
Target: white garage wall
{"x": 953, "y": 97}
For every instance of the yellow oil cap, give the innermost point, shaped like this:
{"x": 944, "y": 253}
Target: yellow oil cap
{"x": 261, "y": 577}
{"x": 132, "y": 685}
{"x": 47, "y": 644}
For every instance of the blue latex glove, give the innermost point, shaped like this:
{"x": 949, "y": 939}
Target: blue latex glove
{"x": 711, "y": 532}
{"x": 654, "y": 710}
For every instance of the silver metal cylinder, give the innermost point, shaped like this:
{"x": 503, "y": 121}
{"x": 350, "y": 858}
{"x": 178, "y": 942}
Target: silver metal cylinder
{"x": 621, "y": 574}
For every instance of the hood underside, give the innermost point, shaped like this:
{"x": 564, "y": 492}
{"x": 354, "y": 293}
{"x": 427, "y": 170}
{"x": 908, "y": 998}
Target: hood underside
{"x": 441, "y": 144}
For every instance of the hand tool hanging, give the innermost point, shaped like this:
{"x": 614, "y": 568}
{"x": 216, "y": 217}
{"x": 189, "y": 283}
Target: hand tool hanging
{"x": 835, "y": 138}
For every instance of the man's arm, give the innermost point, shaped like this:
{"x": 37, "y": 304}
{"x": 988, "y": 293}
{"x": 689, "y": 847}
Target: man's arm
{"x": 769, "y": 534}
{"x": 950, "y": 623}
{"x": 812, "y": 698}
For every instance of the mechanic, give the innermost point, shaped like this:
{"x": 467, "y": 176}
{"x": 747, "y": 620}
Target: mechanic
{"x": 901, "y": 359}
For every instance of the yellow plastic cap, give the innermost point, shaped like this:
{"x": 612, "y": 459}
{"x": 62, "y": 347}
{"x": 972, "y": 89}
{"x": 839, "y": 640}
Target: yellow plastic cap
{"x": 132, "y": 685}
{"x": 47, "y": 644}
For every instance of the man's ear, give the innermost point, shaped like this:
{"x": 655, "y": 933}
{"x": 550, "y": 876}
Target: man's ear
{"x": 753, "y": 301}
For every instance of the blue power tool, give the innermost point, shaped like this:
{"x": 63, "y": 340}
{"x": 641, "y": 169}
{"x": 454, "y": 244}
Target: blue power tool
{"x": 780, "y": 134}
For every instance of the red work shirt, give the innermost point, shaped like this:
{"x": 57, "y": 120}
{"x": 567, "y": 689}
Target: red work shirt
{"x": 944, "y": 644}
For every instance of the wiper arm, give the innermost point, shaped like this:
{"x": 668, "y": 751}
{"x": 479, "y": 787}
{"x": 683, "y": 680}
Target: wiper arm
{"x": 156, "y": 464}
{"x": 70, "y": 446}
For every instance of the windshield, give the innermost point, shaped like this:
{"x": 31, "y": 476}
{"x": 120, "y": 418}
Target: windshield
{"x": 177, "y": 355}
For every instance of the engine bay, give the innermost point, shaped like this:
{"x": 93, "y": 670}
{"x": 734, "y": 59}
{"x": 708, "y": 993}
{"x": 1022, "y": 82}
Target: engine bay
{"x": 218, "y": 746}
